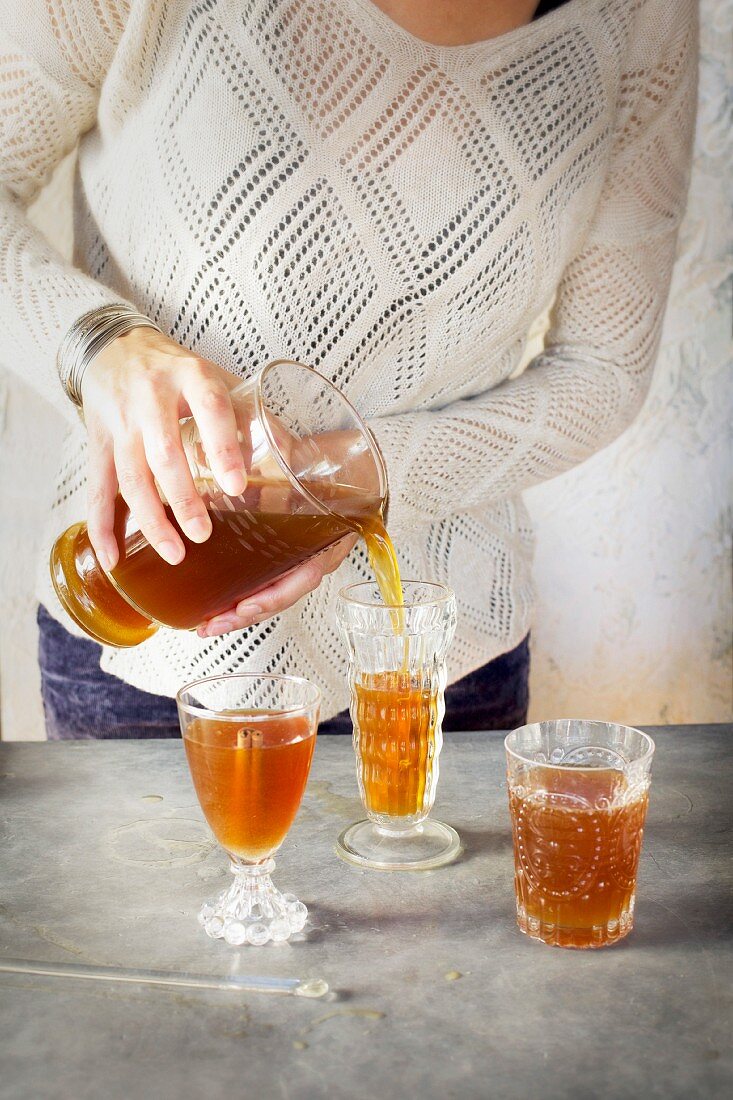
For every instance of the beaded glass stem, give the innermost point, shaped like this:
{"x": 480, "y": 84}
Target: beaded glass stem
{"x": 249, "y": 741}
{"x": 397, "y": 678}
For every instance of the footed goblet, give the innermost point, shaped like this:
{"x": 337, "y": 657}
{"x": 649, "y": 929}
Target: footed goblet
{"x": 249, "y": 742}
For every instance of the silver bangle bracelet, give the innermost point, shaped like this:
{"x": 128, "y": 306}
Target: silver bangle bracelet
{"x": 90, "y": 335}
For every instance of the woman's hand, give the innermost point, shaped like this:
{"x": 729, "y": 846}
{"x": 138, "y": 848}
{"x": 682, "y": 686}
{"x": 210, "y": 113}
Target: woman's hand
{"x": 134, "y": 393}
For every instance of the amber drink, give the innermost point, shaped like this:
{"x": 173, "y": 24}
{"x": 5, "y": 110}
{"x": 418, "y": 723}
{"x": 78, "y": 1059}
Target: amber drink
{"x": 249, "y": 777}
{"x": 397, "y": 720}
{"x": 249, "y": 742}
{"x": 578, "y": 794}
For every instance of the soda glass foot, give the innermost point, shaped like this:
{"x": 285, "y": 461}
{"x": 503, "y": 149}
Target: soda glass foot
{"x": 249, "y": 742}
{"x": 397, "y": 678}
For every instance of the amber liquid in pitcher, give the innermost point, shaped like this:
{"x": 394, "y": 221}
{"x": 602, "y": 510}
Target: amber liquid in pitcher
{"x": 248, "y": 548}
{"x": 250, "y": 779}
{"x": 577, "y": 840}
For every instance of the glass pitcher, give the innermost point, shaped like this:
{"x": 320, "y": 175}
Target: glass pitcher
{"x": 314, "y": 474}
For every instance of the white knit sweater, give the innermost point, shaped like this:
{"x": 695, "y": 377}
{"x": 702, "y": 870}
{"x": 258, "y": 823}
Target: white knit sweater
{"x": 305, "y": 179}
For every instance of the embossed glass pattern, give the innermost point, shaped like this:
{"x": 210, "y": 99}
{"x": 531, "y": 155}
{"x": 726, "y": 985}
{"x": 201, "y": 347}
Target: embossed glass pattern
{"x": 578, "y": 793}
{"x": 397, "y": 678}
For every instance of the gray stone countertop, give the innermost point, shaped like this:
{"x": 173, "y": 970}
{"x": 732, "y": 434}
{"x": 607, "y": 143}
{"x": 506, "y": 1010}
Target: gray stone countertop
{"x": 105, "y": 859}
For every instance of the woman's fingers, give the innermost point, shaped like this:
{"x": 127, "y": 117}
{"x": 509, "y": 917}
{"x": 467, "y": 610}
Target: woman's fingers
{"x": 270, "y": 601}
{"x": 138, "y": 488}
{"x": 282, "y": 594}
{"x": 332, "y": 557}
{"x": 101, "y": 493}
{"x": 211, "y": 407}
{"x": 166, "y": 459}
{"x": 137, "y": 388}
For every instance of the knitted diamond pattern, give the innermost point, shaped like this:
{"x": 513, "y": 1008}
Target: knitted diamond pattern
{"x": 304, "y": 178}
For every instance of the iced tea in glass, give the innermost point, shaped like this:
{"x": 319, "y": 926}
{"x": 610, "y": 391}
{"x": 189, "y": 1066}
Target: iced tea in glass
{"x": 578, "y": 794}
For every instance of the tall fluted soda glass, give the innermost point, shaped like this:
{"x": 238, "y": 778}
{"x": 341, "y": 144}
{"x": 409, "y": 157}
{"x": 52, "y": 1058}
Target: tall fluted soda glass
{"x": 397, "y": 678}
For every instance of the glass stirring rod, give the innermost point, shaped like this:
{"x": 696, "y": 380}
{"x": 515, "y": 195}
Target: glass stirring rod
{"x": 246, "y": 983}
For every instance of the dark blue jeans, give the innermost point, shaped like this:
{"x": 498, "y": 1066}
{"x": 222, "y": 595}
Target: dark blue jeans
{"x": 83, "y": 703}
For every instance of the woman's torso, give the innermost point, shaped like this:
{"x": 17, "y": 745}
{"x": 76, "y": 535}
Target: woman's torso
{"x": 284, "y": 178}
{"x": 308, "y": 180}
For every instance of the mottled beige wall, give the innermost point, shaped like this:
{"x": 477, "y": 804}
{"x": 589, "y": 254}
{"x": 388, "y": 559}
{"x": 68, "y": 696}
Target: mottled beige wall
{"x": 633, "y": 560}
{"x": 633, "y": 549}
{"x": 30, "y": 438}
